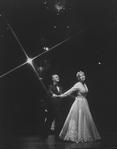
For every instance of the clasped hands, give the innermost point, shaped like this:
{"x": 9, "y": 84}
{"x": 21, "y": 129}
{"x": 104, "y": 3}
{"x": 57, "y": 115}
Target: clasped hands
{"x": 54, "y": 96}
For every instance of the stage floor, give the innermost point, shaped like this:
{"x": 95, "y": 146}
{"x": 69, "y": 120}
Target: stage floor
{"x": 31, "y": 141}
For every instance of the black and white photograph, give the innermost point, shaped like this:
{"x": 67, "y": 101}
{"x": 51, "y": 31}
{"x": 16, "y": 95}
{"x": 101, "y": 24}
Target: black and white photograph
{"x": 58, "y": 74}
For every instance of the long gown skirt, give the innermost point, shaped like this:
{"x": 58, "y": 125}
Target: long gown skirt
{"x": 79, "y": 125}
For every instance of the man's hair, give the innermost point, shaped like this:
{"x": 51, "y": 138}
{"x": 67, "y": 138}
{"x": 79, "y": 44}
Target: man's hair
{"x": 54, "y": 75}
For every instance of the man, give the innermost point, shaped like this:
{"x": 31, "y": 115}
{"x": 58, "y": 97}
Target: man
{"x": 54, "y": 108}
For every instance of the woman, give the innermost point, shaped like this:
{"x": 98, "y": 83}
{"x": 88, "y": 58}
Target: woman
{"x": 79, "y": 125}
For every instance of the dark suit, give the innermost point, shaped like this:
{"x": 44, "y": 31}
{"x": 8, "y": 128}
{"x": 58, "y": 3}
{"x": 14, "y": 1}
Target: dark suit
{"x": 54, "y": 110}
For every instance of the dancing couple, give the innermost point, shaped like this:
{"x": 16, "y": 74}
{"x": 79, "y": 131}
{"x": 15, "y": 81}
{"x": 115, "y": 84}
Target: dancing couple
{"x": 79, "y": 125}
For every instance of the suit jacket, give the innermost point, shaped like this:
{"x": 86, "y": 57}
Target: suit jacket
{"x": 57, "y": 102}
{"x": 53, "y": 89}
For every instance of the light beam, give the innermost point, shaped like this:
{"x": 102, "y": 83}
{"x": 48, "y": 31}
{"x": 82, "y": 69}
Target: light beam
{"x": 29, "y": 60}
{"x": 16, "y": 37}
{"x": 13, "y": 70}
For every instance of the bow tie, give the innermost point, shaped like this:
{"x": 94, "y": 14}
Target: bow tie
{"x": 56, "y": 85}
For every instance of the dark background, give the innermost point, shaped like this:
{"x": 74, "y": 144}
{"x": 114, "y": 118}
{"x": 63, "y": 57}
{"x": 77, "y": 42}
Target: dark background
{"x": 91, "y": 29}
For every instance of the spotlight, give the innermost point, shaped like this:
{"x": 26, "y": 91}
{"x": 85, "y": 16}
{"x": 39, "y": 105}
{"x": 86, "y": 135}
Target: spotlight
{"x": 46, "y": 48}
{"x": 29, "y": 61}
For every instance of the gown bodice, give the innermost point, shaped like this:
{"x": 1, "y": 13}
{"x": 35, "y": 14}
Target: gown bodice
{"x": 80, "y": 88}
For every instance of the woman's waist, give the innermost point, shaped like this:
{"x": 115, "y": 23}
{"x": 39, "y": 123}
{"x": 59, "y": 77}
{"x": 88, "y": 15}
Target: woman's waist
{"x": 80, "y": 96}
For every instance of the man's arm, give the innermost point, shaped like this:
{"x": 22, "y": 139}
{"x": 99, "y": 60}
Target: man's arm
{"x": 51, "y": 93}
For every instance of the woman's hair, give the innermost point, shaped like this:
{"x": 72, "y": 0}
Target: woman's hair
{"x": 79, "y": 74}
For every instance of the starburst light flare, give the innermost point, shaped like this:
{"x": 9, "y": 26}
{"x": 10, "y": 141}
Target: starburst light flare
{"x": 29, "y": 61}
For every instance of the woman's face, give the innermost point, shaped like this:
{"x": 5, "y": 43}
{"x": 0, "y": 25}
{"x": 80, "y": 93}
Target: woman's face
{"x": 82, "y": 77}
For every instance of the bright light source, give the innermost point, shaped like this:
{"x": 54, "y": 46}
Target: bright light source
{"x": 46, "y": 48}
{"x": 29, "y": 60}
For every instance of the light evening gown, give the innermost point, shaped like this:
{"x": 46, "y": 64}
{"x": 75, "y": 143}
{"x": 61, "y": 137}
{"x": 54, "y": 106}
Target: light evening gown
{"x": 79, "y": 125}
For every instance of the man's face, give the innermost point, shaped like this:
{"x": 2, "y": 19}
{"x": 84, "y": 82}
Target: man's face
{"x": 55, "y": 78}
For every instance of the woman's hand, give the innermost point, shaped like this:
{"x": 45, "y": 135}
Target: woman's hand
{"x": 54, "y": 95}
{"x": 59, "y": 96}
